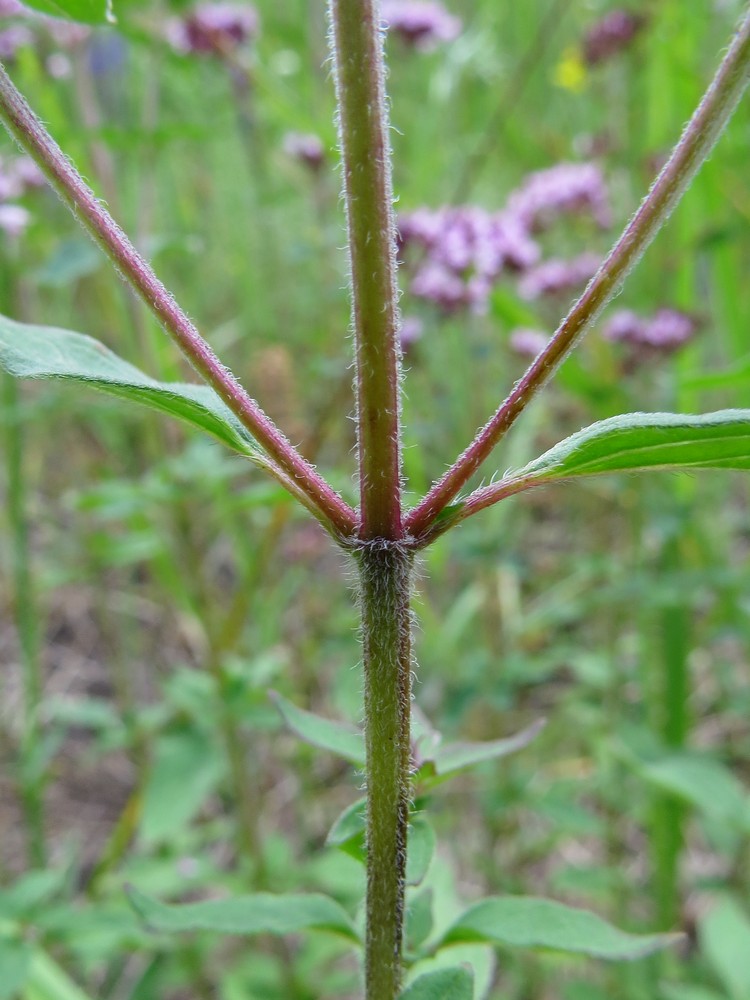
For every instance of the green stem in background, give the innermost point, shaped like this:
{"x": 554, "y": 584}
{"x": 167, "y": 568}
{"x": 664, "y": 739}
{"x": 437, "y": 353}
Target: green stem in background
{"x": 31, "y": 781}
{"x": 674, "y": 632}
{"x": 695, "y": 145}
{"x": 286, "y": 464}
{"x": 385, "y": 583}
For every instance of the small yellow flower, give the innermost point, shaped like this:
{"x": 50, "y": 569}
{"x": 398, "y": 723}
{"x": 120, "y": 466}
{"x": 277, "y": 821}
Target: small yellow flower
{"x": 570, "y": 72}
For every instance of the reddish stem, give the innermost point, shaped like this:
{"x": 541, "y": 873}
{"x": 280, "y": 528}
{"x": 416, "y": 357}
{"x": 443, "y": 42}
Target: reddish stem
{"x": 697, "y": 141}
{"x": 29, "y": 132}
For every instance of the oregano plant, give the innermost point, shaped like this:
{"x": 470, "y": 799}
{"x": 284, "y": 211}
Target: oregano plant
{"x": 382, "y": 537}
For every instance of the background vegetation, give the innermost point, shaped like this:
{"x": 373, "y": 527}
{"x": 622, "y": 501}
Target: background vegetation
{"x": 153, "y": 589}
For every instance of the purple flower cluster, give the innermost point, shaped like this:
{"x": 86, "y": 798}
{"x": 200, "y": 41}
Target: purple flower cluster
{"x": 611, "y": 35}
{"x": 17, "y": 176}
{"x": 566, "y": 187}
{"x": 528, "y": 342}
{"x": 554, "y": 276}
{"x": 465, "y": 250}
{"x": 214, "y": 28}
{"x": 422, "y": 24}
{"x": 305, "y": 147}
{"x": 23, "y": 33}
{"x": 666, "y": 330}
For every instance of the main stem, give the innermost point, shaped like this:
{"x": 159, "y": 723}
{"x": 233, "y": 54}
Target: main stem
{"x": 384, "y": 573}
{"x": 384, "y": 559}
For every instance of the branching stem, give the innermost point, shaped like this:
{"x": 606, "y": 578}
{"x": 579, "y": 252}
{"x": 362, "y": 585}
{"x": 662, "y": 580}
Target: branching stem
{"x": 696, "y": 143}
{"x": 31, "y": 135}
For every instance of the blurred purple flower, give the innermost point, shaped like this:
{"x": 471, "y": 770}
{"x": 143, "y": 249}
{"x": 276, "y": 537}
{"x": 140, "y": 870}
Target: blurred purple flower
{"x": 613, "y": 33}
{"x": 666, "y": 330}
{"x": 554, "y": 276}
{"x": 11, "y": 8}
{"x": 437, "y": 283}
{"x": 13, "y": 219}
{"x": 16, "y": 37}
{"x": 17, "y": 176}
{"x": 305, "y": 147}
{"x": 65, "y": 34}
{"x": 566, "y": 187}
{"x": 214, "y": 28}
{"x": 410, "y": 332}
{"x": 467, "y": 249}
{"x": 422, "y": 24}
{"x": 527, "y": 342}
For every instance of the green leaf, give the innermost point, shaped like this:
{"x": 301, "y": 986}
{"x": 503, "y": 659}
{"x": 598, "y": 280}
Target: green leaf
{"x": 457, "y": 756}
{"x": 47, "y": 981}
{"x": 88, "y": 11}
{"x": 634, "y": 442}
{"x": 455, "y": 983}
{"x": 420, "y": 849}
{"x": 46, "y": 352}
{"x": 186, "y": 769}
{"x": 684, "y": 991}
{"x": 338, "y": 737}
{"x": 32, "y": 890}
{"x": 704, "y": 783}
{"x": 527, "y": 922}
{"x": 724, "y": 936}
{"x": 15, "y": 960}
{"x": 261, "y": 913}
{"x": 349, "y": 826}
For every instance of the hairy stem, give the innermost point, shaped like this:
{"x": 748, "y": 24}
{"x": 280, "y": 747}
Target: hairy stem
{"x": 366, "y": 157}
{"x": 31, "y": 135}
{"x": 697, "y": 141}
{"x": 385, "y": 576}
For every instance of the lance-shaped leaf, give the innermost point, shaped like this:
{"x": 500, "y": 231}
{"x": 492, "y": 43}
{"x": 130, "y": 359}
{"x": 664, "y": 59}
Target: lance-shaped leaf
{"x": 528, "y": 922}
{"x": 344, "y": 740}
{"x": 36, "y": 352}
{"x": 260, "y": 913}
{"x": 637, "y": 441}
{"x": 455, "y": 983}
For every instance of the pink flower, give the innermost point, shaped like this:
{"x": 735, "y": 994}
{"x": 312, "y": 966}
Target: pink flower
{"x": 527, "y": 342}
{"x": 306, "y": 148}
{"x": 13, "y": 219}
{"x": 554, "y": 276}
{"x": 613, "y": 33}
{"x": 214, "y": 29}
{"x": 666, "y": 330}
{"x": 422, "y": 24}
{"x": 567, "y": 187}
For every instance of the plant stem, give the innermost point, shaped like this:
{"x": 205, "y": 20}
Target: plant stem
{"x": 385, "y": 579}
{"x": 366, "y": 156}
{"x": 384, "y": 561}
{"x": 29, "y": 132}
{"x": 31, "y": 779}
{"x": 696, "y": 143}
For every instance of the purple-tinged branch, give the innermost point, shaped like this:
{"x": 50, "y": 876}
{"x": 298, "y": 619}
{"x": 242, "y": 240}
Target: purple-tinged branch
{"x": 366, "y": 161}
{"x": 31, "y": 135}
{"x": 697, "y": 141}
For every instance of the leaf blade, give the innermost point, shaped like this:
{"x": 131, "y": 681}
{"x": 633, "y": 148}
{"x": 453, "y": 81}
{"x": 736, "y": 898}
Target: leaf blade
{"x": 260, "y": 913}
{"x": 455, "y": 983}
{"x": 326, "y": 734}
{"x": 531, "y": 922}
{"x": 634, "y": 442}
{"x": 39, "y": 352}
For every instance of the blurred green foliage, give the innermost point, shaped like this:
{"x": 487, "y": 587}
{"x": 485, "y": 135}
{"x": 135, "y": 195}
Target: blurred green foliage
{"x": 175, "y": 586}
